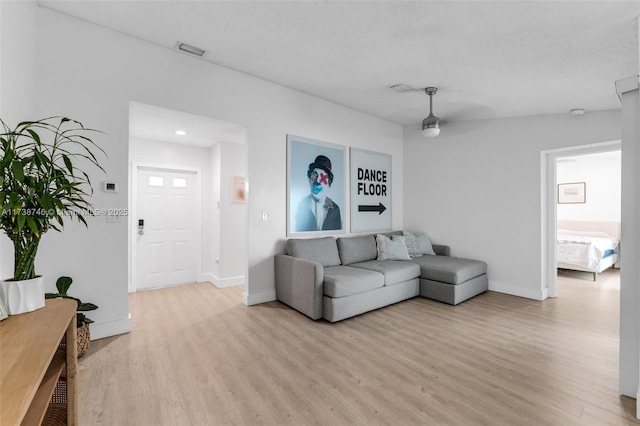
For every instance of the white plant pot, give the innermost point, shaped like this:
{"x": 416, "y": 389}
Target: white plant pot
{"x": 22, "y": 296}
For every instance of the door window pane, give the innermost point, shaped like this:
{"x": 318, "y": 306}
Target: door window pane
{"x": 156, "y": 181}
{"x": 179, "y": 183}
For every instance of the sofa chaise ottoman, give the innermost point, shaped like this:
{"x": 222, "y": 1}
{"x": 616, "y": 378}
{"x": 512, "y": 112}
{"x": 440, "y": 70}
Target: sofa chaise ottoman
{"x": 451, "y": 279}
{"x": 339, "y": 278}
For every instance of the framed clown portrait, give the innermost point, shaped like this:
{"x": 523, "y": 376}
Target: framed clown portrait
{"x": 316, "y": 187}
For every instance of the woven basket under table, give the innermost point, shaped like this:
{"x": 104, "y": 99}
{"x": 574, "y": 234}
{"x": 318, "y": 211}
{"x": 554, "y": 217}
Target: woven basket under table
{"x": 83, "y": 339}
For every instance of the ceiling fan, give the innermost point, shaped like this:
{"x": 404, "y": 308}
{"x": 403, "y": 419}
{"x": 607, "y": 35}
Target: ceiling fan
{"x": 468, "y": 116}
{"x": 431, "y": 124}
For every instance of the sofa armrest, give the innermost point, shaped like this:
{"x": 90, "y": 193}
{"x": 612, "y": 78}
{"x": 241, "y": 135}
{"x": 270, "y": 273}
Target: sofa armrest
{"x": 442, "y": 250}
{"x": 299, "y": 284}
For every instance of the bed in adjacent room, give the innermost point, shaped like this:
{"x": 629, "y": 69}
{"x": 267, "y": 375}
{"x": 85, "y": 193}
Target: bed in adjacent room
{"x": 587, "y": 246}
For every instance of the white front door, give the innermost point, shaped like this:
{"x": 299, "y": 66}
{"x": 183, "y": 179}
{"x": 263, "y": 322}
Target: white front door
{"x": 167, "y": 223}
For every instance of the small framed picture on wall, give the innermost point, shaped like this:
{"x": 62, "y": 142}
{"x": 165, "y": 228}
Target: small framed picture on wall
{"x": 572, "y": 193}
{"x": 238, "y": 189}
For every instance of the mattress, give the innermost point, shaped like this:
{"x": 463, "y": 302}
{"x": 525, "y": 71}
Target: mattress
{"x": 585, "y": 249}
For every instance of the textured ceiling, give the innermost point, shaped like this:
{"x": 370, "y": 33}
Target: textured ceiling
{"x": 488, "y": 59}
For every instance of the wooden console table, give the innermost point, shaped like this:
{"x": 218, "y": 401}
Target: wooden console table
{"x": 35, "y": 362}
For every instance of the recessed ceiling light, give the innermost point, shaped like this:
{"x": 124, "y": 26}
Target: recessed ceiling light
{"x": 577, "y": 111}
{"x": 180, "y": 132}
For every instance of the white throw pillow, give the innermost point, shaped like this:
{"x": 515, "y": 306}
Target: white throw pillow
{"x": 418, "y": 244}
{"x": 395, "y": 249}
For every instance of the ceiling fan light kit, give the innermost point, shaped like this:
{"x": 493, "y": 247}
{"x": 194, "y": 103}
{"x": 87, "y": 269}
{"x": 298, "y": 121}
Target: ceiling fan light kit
{"x": 431, "y": 124}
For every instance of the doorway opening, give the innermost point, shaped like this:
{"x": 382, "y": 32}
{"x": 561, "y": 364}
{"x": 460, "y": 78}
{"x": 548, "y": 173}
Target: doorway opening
{"x": 550, "y": 204}
{"x": 184, "y": 171}
{"x": 573, "y": 212}
{"x": 588, "y": 211}
{"x": 167, "y": 211}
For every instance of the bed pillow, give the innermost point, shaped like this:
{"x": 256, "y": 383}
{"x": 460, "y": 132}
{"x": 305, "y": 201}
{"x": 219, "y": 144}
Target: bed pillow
{"x": 418, "y": 244}
{"x": 395, "y": 249}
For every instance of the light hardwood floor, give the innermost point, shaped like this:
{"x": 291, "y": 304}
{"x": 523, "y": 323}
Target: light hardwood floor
{"x": 198, "y": 356}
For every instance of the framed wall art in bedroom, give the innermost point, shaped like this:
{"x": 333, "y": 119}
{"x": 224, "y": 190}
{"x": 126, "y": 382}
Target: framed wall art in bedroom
{"x": 572, "y": 193}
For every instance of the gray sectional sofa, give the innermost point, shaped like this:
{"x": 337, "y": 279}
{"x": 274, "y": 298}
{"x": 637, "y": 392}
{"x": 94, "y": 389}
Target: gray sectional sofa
{"x": 339, "y": 278}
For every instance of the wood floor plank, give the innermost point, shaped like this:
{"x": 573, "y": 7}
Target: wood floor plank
{"x": 197, "y": 356}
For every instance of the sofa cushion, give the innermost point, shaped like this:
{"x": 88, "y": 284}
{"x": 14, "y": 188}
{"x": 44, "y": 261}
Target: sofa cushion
{"x": 418, "y": 244}
{"x": 357, "y": 249}
{"x": 395, "y": 249}
{"x": 450, "y": 270}
{"x": 342, "y": 281}
{"x": 321, "y": 250}
{"x": 394, "y": 271}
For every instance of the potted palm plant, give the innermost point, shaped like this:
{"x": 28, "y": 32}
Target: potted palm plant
{"x": 41, "y": 185}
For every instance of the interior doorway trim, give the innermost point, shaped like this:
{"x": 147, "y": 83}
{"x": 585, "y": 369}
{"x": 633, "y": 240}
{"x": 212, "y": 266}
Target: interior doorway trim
{"x": 133, "y": 210}
{"x": 549, "y": 212}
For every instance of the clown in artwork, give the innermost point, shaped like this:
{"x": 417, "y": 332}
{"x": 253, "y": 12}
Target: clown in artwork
{"x": 316, "y": 211}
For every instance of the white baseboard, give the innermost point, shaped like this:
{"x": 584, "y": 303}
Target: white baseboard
{"x": 229, "y": 282}
{"x": 110, "y": 328}
{"x": 256, "y": 299}
{"x": 545, "y": 293}
{"x": 506, "y": 288}
{"x": 222, "y": 282}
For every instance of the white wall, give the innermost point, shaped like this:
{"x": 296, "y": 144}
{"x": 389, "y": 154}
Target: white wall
{"x": 477, "y": 188}
{"x": 110, "y": 70}
{"x": 602, "y": 175}
{"x": 233, "y": 218}
{"x": 17, "y": 85}
{"x": 630, "y": 121}
{"x": 216, "y": 164}
{"x": 630, "y": 245}
{"x": 229, "y": 234}
{"x": 91, "y": 259}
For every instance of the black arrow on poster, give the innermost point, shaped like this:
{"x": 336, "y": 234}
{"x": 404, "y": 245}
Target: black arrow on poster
{"x": 379, "y": 208}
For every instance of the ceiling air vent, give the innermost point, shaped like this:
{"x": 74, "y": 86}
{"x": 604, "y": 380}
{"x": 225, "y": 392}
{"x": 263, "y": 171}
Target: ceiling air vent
{"x": 192, "y": 50}
{"x": 401, "y": 88}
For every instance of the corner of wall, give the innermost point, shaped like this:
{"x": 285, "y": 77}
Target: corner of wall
{"x": 514, "y": 290}
{"x": 638, "y": 399}
{"x": 110, "y": 328}
{"x": 222, "y": 282}
{"x": 257, "y": 298}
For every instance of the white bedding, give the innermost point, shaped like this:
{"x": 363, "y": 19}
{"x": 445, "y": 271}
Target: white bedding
{"x": 583, "y": 248}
